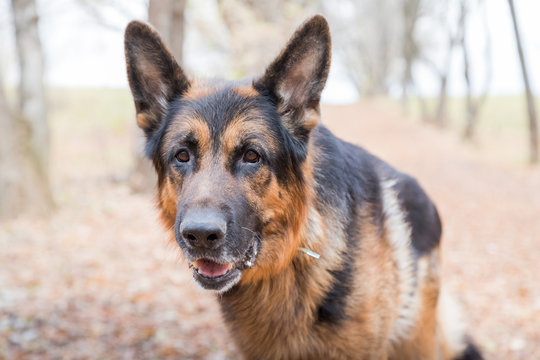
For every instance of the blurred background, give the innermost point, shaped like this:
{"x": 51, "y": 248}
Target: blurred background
{"x": 441, "y": 89}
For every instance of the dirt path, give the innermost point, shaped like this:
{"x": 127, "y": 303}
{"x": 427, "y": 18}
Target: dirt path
{"x": 100, "y": 280}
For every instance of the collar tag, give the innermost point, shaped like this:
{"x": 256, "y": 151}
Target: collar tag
{"x": 309, "y": 252}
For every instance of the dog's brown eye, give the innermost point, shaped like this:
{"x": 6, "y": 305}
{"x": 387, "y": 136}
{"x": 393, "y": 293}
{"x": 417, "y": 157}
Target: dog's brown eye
{"x": 251, "y": 156}
{"x": 182, "y": 156}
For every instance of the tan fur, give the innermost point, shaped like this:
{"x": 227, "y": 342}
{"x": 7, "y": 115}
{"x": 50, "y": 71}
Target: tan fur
{"x": 167, "y": 200}
{"x": 189, "y": 124}
{"x": 246, "y": 91}
{"x": 199, "y": 89}
{"x": 242, "y": 126}
{"x": 283, "y": 211}
{"x": 142, "y": 120}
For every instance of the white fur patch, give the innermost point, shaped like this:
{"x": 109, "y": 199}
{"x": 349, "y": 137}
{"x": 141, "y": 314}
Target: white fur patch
{"x": 163, "y": 103}
{"x": 399, "y": 237}
{"x": 451, "y": 323}
{"x": 314, "y": 229}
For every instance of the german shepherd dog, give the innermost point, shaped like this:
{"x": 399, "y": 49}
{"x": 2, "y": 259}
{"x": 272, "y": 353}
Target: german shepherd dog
{"x": 316, "y": 248}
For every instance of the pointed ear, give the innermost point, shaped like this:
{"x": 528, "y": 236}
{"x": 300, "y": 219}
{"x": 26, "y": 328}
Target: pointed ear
{"x": 297, "y": 77}
{"x": 154, "y": 76}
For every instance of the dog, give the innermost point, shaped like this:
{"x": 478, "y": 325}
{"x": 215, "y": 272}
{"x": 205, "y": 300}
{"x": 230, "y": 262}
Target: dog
{"x": 316, "y": 248}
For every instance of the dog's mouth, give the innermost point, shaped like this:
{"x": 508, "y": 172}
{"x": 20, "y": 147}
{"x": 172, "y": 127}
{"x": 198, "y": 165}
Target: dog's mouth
{"x": 216, "y": 274}
{"x": 211, "y": 269}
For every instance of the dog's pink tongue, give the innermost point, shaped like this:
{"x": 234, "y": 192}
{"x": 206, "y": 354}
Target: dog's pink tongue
{"x": 210, "y": 268}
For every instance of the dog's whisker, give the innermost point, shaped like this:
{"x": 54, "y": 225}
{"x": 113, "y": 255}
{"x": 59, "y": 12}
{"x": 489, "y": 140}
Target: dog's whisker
{"x": 251, "y": 231}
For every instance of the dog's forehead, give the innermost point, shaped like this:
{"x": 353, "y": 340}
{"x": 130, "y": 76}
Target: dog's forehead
{"x": 201, "y": 88}
{"x": 220, "y": 111}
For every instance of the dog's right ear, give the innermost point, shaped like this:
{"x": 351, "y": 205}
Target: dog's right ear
{"x": 297, "y": 76}
{"x": 154, "y": 76}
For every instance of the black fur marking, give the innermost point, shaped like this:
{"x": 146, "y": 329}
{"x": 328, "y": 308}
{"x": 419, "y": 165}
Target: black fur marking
{"x": 332, "y": 309}
{"x": 338, "y": 189}
{"x": 153, "y": 144}
{"x": 471, "y": 353}
{"x": 422, "y": 215}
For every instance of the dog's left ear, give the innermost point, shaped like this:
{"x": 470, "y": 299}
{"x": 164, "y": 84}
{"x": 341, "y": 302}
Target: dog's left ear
{"x": 297, "y": 77}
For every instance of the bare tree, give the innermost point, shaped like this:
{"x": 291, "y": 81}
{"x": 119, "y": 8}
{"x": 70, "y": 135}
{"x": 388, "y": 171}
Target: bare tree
{"x": 24, "y": 133}
{"x": 368, "y": 41}
{"x": 384, "y": 52}
{"x": 437, "y": 51}
{"x": 99, "y": 8}
{"x": 444, "y": 72}
{"x": 474, "y": 104}
{"x": 167, "y": 16}
{"x": 533, "y": 127}
{"x": 410, "y": 47}
{"x": 257, "y": 30}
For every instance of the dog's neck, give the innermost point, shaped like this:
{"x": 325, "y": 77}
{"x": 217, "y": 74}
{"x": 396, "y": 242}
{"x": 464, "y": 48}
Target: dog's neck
{"x": 277, "y": 309}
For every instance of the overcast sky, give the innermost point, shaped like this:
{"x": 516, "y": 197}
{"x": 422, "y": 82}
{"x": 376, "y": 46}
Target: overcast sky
{"x": 80, "y": 52}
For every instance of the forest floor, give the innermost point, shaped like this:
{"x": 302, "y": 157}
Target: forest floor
{"x": 98, "y": 278}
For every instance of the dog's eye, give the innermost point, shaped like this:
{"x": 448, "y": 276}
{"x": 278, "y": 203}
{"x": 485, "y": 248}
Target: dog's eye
{"x": 182, "y": 156}
{"x": 251, "y": 156}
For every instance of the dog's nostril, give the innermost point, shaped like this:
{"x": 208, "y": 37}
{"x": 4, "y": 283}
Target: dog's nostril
{"x": 203, "y": 229}
{"x": 201, "y": 236}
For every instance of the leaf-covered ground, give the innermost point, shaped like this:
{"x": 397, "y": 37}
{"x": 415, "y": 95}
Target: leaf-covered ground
{"x": 99, "y": 279}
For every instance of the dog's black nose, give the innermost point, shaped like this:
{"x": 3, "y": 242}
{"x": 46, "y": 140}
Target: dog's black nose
{"x": 203, "y": 228}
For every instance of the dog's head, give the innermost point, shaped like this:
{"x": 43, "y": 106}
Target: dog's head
{"x": 231, "y": 157}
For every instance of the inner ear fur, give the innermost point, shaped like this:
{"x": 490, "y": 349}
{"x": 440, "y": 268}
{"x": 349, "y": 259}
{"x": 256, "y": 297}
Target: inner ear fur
{"x": 155, "y": 78}
{"x": 297, "y": 76}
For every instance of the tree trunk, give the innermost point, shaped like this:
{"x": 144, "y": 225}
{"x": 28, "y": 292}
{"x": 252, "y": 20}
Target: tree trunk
{"x": 471, "y": 116}
{"x": 411, "y": 13}
{"x": 167, "y": 16}
{"x": 440, "y": 117}
{"x": 424, "y": 113}
{"x": 473, "y": 105}
{"x": 31, "y": 90}
{"x": 533, "y": 127}
{"x": 24, "y": 134}
{"x": 471, "y": 109}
